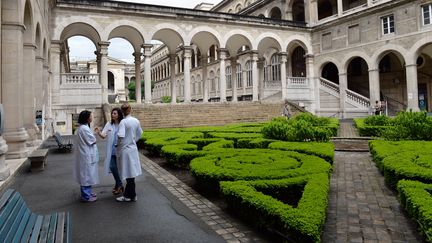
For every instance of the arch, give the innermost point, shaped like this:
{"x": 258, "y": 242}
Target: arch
{"x": 400, "y": 52}
{"x": 171, "y": 37}
{"x": 82, "y": 29}
{"x": 129, "y": 33}
{"x": 275, "y": 13}
{"x": 38, "y": 40}
{"x": 351, "y": 55}
{"x": 236, "y": 39}
{"x": 298, "y": 40}
{"x": 28, "y": 16}
{"x": 298, "y": 62}
{"x": 298, "y": 10}
{"x": 330, "y": 72}
{"x": 415, "y": 50}
{"x": 267, "y": 40}
{"x": 111, "y": 81}
{"x": 261, "y": 16}
{"x": 204, "y": 37}
{"x": 78, "y": 25}
{"x": 238, "y": 8}
{"x": 358, "y": 75}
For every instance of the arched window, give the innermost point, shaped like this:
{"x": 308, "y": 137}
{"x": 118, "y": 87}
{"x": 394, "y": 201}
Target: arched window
{"x": 298, "y": 62}
{"x": 228, "y": 77}
{"x": 239, "y": 76}
{"x": 249, "y": 73}
{"x": 298, "y": 13}
{"x": 275, "y": 68}
{"x": 212, "y": 81}
{"x": 275, "y": 13}
{"x": 238, "y": 8}
{"x": 110, "y": 81}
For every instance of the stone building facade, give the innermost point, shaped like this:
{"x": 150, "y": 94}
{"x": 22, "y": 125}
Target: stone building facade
{"x": 334, "y": 57}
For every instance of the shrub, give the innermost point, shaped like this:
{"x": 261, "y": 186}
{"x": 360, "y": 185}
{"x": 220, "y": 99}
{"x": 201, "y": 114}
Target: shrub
{"x": 410, "y": 126}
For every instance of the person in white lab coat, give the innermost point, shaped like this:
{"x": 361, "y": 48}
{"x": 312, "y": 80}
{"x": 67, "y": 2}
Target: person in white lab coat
{"x": 129, "y": 163}
{"x": 86, "y": 159}
{"x": 110, "y": 132}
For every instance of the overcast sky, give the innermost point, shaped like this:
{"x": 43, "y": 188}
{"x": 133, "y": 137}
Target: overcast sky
{"x": 83, "y": 49}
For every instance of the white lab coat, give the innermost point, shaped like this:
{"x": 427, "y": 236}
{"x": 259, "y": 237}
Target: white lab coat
{"x": 128, "y": 158}
{"x": 109, "y": 131}
{"x": 86, "y": 164}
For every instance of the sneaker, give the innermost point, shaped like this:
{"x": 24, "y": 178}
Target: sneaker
{"x": 91, "y": 199}
{"x": 126, "y": 199}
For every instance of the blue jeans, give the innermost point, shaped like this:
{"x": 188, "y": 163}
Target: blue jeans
{"x": 114, "y": 170}
{"x": 86, "y": 192}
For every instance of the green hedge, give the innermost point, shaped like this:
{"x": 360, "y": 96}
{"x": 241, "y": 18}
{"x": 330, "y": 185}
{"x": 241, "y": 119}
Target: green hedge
{"x": 180, "y": 155}
{"x": 323, "y": 150}
{"x": 154, "y": 141}
{"x": 256, "y": 164}
{"x": 416, "y": 198}
{"x": 367, "y": 130}
{"x": 302, "y": 223}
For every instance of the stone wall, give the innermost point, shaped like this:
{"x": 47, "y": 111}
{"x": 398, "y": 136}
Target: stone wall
{"x": 204, "y": 114}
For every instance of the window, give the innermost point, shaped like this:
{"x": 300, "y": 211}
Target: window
{"x": 249, "y": 73}
{"x": 228, "y": 77}
{"x": 427, "y": 9}
{"x": 388, "y": 24}
{"x": 275, "y": 68}
{"x": 239, "y": 76}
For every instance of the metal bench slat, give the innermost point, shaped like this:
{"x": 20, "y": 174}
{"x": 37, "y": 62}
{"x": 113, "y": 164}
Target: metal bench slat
{"x": 28, "y": 229}
{"x": 52, "y": 228}
{"x": 6, "y": 210}
{"x": 17, "y": 221}
{"x": 36, "y": 229}
{"x": 44, "y": 230}
{"x": 60, "y": 228}
{"x": 10, "y": 220}
{"x": 5, "y": 198}
{"x": 68, "y": 228}
{"x": 17, "y": 235}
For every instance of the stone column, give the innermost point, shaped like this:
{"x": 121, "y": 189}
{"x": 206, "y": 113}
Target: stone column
{"x": 28, "y": 101}
{"x": 342, "y": 93}
{"x": 46, "y": 100}
{"x": 4, "y": 170}
{"x": 12, "y": 85}
{"x": 187, "y": 67}
{"x": 313, "y": 82}
{"x": 222, "y": 77}
{"x": 254, "y": 59}
{"x": 369, "y": 3}
{"x": 173, "y": 78}
{"x": 283, "y": 60}
{"x": 374, "y": 85}
{"x": 103, "y": 45}
{"x": 312, "y": 11}
{"x": 204, "y": 59}
{"x": 39, "y": 82}
{"x": 261, "y": 78}
{"x": 234, "y": 78}
{"x": 137, "y": 56}
{"x": 412, "y": 87}
{"x": 339, "y": 8}
{"x": 147, "y": 76}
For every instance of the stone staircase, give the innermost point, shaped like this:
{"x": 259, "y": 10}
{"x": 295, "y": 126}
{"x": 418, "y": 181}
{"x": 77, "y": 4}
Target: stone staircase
{"x": 204, "y": 114}
{"x": 348, "y": 139}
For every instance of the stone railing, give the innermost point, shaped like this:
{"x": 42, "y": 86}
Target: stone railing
{"x": 297, "y": 81}
{"x": 79, "y": 79}
{"x": 272, "y": 84}
{"x": 329, "y": 85}
{"x": 357, "y": 98}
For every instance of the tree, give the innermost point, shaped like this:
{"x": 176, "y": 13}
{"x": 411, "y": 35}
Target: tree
{"x": 131, "y": 88}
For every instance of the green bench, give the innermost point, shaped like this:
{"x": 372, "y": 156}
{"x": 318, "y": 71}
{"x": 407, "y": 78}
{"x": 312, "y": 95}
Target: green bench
{"x": 19, "y": 224}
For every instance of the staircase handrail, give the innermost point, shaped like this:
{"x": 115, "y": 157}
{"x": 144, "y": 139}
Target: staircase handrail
{"x": 387, "y": 98}
{"x": 329, "y": 84}
{"x": 358, "y": 98}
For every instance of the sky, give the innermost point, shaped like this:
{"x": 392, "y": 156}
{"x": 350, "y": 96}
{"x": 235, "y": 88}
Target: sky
{"x": 82, "y": 48}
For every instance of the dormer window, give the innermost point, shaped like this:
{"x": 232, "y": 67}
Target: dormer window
{"x": 388, "y": 24}
{"x": 426, "y": 14}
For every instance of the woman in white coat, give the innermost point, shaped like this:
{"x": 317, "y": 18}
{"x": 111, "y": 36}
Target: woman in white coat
{"x": 110, "y": 132}
{"x": 86, "y": 159}
{"x": 129, "y": 163}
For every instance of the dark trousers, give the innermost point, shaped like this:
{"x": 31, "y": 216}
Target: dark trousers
{"x": 130, "y": 188}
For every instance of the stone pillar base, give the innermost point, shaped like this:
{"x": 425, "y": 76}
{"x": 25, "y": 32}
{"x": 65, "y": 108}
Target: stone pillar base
{"x": 16, "y": 141}
{"x": 4, "y": 170}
